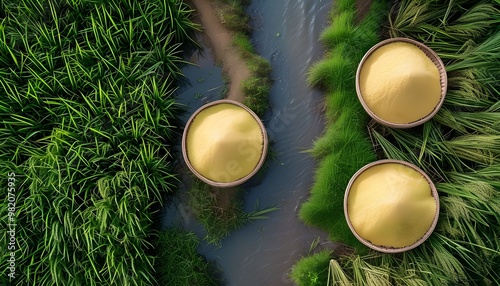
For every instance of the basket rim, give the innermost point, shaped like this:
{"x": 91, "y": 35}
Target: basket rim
{"x": 240, "y": 180}
{"x": 387, "y": 249}
{"x": 443, "y": 78}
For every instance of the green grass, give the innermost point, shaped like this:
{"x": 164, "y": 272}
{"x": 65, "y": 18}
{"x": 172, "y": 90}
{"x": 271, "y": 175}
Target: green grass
{"x": 178, "y": 256}
{"x": 260, "y": 67}
{"x": 430, "y": 264}
{"x": 232, "y": 15}
{"x": 234, "y": 18}
{"x": 462, "y": 139}
{"x": 220, "y": 211}
{"x": 458, "y": 148}
{"x": 88, "y": 119}
{"x": 256, "y": 88}
{"x": 334, "y": 73}
{"x": 218, "y": 217}
{"x": 242, "y": 41}
{"x": 342, "y": 31}
{"x": 312, "y": 270}
{"x": 345, "y": 146}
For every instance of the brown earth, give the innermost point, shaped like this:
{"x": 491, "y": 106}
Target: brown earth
{"x": 220, "y": 39}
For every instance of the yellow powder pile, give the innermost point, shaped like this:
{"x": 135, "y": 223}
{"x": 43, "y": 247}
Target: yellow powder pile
{"x": 224, "y": 143}
{"x": 399, "y": 83}
{"x": 391, "y": 205}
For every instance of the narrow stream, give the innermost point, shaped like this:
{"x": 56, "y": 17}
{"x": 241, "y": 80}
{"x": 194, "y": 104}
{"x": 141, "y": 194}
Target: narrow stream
{"x": 262, "y": 253}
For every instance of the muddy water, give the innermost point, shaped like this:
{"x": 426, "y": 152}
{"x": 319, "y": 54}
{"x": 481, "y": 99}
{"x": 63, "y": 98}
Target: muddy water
{"x": 261, "y": 253}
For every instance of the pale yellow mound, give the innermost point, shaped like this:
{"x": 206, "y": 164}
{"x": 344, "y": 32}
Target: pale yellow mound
{"x": 224, "y": 143}
{"x": 399, "y": 83}
{"x": 391, "y": 205}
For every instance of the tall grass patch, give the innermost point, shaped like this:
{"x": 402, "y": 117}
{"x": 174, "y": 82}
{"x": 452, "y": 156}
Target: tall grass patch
{"x": 334, "y": 73}
{"x": 345, "y": 146}
{"x": 343, "y": 29}
{"x": 256, "y": 90}
{"x": 312, "y": 270}
{"x": 220, "y": 211}
{"x": 244, "y": 44}
{"x": 178, "y": 262}
{"x": 88, "y": 119}
{"x": 232, "y": 15}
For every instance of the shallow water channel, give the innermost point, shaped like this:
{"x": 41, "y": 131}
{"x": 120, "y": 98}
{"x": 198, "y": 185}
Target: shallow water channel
{"x": 261, "y": 253}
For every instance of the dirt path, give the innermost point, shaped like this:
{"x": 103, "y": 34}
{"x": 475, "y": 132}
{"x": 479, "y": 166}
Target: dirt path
{"x": 220, "y": 38}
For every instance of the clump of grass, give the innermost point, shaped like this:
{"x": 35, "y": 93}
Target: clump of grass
{"x": 178, "y": 263}
{"x": 178, "y": 14}
{"x": 243, "y": 43}
{"x": 219, "y": 216}
{"x": 87, "y": 122}
{"x": 342, "y": 31}
{"x": 260, "y": 67}
{"x": 220, "y": 211}
{"x": 333, "y": 173}
{"x": 233, "y": 17}
{"x": 256, "y": 90}
{"x": 333, "y": 74}
{"x": 311, "y": 271}
{"x": 345, "y": 146}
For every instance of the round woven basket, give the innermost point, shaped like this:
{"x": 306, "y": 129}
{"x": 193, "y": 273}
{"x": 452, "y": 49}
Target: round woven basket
{"x": 391, "y": 249}
{"x": 432, "y": 56}
{"x": 241, "y": 180}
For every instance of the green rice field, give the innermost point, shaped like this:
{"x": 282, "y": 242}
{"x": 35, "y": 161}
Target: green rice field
{"x": 88, "y": 119}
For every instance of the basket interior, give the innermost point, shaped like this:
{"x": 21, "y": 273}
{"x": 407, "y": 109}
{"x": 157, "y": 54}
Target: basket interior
{"x": 442, "y": 77}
